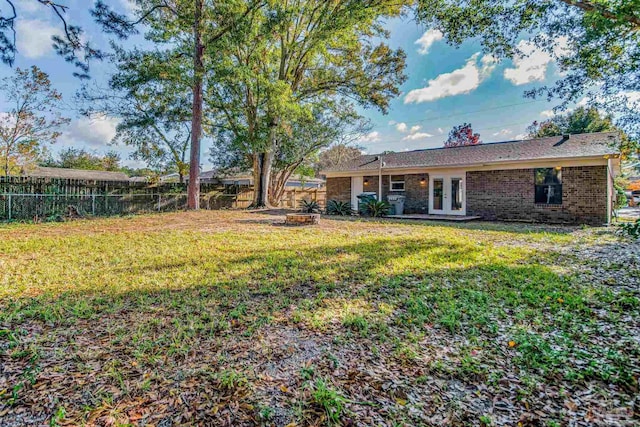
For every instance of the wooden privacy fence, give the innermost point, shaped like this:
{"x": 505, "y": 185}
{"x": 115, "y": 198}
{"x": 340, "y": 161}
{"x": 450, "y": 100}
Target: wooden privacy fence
{"x": 23, "y": 198}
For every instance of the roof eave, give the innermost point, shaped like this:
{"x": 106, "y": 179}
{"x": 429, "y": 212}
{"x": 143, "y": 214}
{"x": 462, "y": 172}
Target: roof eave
{"x": 336, "y": 173}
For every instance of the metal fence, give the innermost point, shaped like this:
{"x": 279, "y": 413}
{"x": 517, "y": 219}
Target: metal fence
{"x": 33, "y": 199}
{"x": 47, "y": 207}
{"x": 52, "y": 206}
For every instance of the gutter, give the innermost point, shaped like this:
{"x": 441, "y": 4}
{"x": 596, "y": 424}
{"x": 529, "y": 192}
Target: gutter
{"x": 423, "y": 168}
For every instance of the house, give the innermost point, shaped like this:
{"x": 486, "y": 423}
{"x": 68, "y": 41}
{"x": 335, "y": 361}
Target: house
{"x": 563, "y": 179}
{"x": 246, "y": 179}
{"x": 65, "y": 173}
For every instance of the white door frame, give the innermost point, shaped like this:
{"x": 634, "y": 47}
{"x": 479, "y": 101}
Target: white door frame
{"x": 357, "y": 187}
{"x": 446, "y": 189}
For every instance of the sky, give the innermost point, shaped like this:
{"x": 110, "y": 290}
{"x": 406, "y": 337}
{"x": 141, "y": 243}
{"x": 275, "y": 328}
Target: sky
{"x": 446, "y": 86}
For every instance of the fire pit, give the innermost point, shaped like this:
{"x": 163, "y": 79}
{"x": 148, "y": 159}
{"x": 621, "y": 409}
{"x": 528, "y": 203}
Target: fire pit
{"x": 302, "y": 219}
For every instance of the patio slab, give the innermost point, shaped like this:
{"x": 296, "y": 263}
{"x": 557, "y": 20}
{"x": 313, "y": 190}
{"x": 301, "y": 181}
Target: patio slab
{"x": 426, "y": 217}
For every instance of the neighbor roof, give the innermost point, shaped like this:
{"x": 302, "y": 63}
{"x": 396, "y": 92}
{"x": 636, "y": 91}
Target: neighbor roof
{"x": 64, "y": 173}
{"x": 574, "y": 146}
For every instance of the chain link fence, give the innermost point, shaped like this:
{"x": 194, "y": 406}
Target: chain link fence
{"x": 26, "y": 207}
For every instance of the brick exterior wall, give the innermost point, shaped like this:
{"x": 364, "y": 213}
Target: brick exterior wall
{"x": 417, "y": 201}
{"x": 416, "y": 192}
{"x": 339, "y": 189}
{"x": 509, "y": 195}
{"x": 506, "y": 195}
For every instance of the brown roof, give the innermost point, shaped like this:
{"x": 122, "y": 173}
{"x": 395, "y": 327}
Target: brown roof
{"x": 575, "y": 146}
{"x": 64, "y": 173}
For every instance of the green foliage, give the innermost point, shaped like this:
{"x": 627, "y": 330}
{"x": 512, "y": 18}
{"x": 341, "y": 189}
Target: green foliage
{"x": 230, "y": 379}
{"x": 337, "y": 154}
{"x": 619, "y": 185}
{"x": 309, "y": 206}
{"x": 595, "y": 43}
{"x": 336, "y": 207}
{"x": 295, "y": 74}
{"x": 79, "y": 158}
{"x": 630, "y": 229}
{"x": 582, "y": 120}
{"x": 376, "y": 208}
{"x": 32, "y": 120}
{"x": 150, "y": 92}
{"x": 329, "y": 400}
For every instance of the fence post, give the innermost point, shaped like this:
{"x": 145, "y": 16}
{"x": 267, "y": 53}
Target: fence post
{"x": 93, "y": 204}
{"x": 158, "y": 202}
{"x": 9, "y": 207}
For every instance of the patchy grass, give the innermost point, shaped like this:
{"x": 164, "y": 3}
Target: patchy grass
{"x": 225, "y": 318}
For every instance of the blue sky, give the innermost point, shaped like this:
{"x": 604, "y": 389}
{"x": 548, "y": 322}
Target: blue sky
{"x": 446, "y": 86}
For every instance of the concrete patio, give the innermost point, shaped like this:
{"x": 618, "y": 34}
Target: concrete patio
{"x": 427, "y": 217}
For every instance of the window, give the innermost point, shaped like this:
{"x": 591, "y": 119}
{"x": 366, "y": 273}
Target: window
{"x": 548, "y": 184}
{"x": 397, "y": 182}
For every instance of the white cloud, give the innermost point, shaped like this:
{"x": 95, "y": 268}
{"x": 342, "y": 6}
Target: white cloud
{"x": 521, "y": 136}
{"x": 28, "y": 8}
{"x": 458, "y": 82}
{"x": 532, "y": 63}
{"x": 417, "y": 135}
{"x": 547, "y": 113}
{"x": 370, "y": 137}
{"x": 427, "y": 40}
{"x": 503, "y": 132}
{"x": 34, "y": 37}
{"x": 129, "y": 5}
{"x": 94, "y": 131}
{"x": 413, "y": 132}
{"x": 440, "y": 131}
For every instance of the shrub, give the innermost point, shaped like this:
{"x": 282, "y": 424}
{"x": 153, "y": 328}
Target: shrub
{"x": 630, "y": 229}
{"x": 310, "y": 206}
{"x": 376, "y": 208}
{"x": 335, "y": 207}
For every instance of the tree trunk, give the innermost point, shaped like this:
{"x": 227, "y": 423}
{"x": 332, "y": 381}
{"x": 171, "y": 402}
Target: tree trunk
{"x": 262, "y": 177}
{"x": 278, "y": 186}
{"x": 193, "y": 191}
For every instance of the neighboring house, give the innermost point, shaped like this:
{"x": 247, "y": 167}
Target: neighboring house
{"x": 564, "y": 179}
{"x": 64, "y": 173}
{"x": 246, "y": 179}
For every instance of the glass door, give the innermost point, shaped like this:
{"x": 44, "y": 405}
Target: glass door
{"x": 447, "y": 195}
{"x": 437, "y": 195}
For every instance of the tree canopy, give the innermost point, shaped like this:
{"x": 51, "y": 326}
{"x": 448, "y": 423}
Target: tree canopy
{"x": 596, "y": 45}
{"x": 32, "y": 121}
{"x": 79, "y": 158}
{"x": 462, "y": 135}
{"x": 582, "y": 120}
{"x": 292, "y": 62}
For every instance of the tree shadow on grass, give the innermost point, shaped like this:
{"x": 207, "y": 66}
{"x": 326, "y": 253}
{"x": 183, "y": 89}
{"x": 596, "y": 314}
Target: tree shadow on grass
{"x": 511, "y": 227}
{"x": 410, "y": 297}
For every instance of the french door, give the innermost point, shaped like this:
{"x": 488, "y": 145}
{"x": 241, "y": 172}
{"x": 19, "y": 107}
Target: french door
{"x": 447, "y": 194}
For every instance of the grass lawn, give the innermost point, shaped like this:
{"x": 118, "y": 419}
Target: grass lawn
{"x": 223, "y": 318}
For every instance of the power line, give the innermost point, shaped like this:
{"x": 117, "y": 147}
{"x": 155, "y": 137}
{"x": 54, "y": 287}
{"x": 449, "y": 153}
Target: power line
{"x": 479, "y": 129}
{"x": 463, "y": 113}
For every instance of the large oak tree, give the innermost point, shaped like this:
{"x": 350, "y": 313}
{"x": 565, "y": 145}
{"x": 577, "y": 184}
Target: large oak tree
{"x": 292, "y": 60}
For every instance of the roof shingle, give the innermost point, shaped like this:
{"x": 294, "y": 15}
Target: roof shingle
{"x": 576, "y": 146}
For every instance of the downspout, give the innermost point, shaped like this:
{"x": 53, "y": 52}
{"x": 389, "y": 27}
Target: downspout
{"x": 380, "y": 180}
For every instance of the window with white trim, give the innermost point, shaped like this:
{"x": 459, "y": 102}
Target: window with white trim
{"x": 396, "y": 182}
